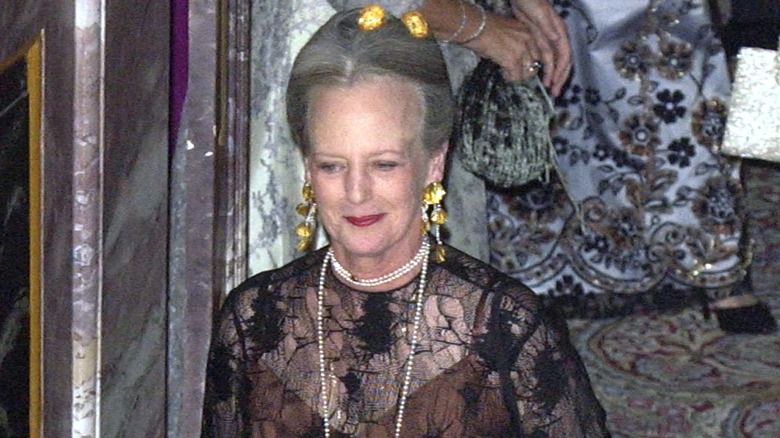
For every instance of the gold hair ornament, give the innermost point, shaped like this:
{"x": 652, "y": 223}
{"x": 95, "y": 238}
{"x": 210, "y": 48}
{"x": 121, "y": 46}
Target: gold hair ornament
{"x": 432, "y": 196}
{"x": 416, "y": 24}
{"x": 307, "y": 209}
{"x": 373, "y": 17}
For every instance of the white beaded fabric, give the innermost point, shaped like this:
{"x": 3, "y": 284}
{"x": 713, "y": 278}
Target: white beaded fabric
{"x": 753, "y": 124}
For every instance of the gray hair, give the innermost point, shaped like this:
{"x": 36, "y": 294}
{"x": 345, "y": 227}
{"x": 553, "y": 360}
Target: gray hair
{"x": 340, "y": 54}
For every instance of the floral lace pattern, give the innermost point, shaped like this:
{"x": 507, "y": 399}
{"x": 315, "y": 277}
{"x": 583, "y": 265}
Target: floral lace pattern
{"x": 638, "y": 127}
{"x": 489, "y": 362}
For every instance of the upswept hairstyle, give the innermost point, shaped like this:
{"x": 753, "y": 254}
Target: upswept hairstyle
{"x": 339, "y": 53}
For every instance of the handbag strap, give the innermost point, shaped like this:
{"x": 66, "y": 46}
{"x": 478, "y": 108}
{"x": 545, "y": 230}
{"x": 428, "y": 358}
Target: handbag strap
{"x": 548, "y": 102}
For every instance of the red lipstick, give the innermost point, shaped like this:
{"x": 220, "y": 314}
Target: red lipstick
{"x": 364, "y": 221}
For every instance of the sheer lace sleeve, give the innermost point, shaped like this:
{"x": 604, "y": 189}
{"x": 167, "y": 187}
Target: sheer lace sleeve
{"x": 224, "y": 397}
{"x": 546, "y": 388}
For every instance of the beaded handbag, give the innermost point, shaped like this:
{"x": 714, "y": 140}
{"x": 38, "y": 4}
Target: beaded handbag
{"x": 753, "y": 124}
{"x": 502, "y": 130}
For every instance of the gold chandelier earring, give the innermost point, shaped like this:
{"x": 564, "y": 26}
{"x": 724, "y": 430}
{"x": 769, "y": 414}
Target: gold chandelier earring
{"x": 432, "y": 197}
{"x": 307, "y": 209}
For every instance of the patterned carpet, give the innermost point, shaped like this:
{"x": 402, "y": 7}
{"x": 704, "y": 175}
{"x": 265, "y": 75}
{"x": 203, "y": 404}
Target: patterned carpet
{"x": 677, "y": 375}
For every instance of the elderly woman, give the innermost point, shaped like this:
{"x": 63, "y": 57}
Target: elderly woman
{"x": 386, "y": 332}
{"x": 514, "y": 36}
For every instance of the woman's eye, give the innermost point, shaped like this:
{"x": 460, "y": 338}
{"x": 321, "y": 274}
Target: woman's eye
{"x": 328, "y": 167}
{"x": 386, "y": 165}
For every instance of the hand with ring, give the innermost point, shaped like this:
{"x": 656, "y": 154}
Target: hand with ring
{"x": 512, "y": 44}
{"x": 556, "y": 50}
{"x": 519, "y": 44}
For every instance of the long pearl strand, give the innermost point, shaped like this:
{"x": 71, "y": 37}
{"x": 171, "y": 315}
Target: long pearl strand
{"x": 418, "y": 311}
{"x": 387, "y": 278}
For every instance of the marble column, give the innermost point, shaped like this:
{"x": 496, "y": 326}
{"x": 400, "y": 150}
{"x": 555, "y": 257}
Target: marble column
{"x": 104, "y": 218}
{"x": 192, "y": 284}
{"x": 87, "y": 211}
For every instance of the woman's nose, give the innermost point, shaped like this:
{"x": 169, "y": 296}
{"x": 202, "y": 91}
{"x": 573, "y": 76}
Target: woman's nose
{"x": 358, "y": 186}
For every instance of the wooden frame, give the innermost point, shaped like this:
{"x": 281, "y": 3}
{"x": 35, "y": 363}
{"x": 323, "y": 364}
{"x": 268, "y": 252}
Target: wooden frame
{"x": 35, "y": 90}
{"x": 20, "y": 87}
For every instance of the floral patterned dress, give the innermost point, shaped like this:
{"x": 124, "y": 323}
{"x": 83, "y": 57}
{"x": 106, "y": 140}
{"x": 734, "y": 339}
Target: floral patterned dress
{"x": 651, "y": 218}
{"x": 489, "y": 362}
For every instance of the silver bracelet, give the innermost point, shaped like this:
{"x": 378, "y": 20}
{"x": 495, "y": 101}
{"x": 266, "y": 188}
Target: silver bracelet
{"x": 481, "y": 27}
{"x": 463, "y": 20}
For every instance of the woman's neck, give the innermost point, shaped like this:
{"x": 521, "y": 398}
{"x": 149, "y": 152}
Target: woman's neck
{"x": 380, "y": 273}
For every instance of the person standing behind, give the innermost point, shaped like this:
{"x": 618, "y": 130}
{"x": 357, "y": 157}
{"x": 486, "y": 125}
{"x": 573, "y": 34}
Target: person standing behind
{"x": 656, "y": 220}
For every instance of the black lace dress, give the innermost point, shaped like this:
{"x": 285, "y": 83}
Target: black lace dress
{"x": 488, "y": 363}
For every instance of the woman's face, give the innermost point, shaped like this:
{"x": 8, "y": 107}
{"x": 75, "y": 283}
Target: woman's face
{"x": 368, "y": 168}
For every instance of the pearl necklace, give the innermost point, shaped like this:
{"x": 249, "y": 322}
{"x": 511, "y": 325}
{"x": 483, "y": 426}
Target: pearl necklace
{"x": 324, "y": 390}
{"x": 387, "y": 278}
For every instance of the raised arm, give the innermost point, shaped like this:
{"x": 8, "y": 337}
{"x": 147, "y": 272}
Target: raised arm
{"x": 535, "y": 33}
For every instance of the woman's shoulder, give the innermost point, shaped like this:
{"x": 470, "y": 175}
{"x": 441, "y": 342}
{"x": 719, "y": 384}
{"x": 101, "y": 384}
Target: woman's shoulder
{"x": 490, "y": 280}
{"x": 268, "y": 282}
{"x": 508, "y": 314}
